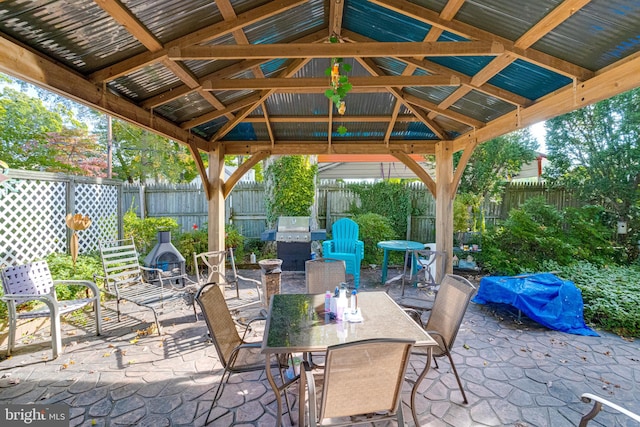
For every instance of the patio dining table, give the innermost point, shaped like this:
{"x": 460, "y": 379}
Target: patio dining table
{"x": 297, "y": 323}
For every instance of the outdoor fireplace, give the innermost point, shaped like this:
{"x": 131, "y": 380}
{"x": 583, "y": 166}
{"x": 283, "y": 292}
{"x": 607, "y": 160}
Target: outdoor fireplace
{"x": 166, "y": 257}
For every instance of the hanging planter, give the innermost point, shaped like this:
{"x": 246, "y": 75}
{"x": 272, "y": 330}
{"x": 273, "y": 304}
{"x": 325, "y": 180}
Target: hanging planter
{"x": 340, "y": 85}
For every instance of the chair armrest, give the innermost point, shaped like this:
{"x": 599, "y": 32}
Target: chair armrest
{"x": 247, "y": 325}
{"x": 327, "y": 247}
{"x": 359, "y": 249}
{"x": 254, "y": 281}
{"x": 597, "y": 407}
{"x": 157, "y": 270}
{"x": 86, "y": 283}
{"x": 48, "y": 299}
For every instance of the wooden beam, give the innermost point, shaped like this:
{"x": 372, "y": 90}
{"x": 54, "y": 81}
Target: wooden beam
{"x": 243, "y": 169}
{"x": 202, "y": 35}
{"x": 462, "y": 164}
{"x": 417, "y": 169}
{"x": 616, "y": 79}
{"x": 26, "y": 65}
{"x": 249, "y": 100}
{"x": 336, "y": 10}
{"x": 323, "y": 83}
{"x": 325, "y": 119}
{"x": 332, "y": 50}
{"x": 556, "y": 17}
{"x": 245, "y": 148}
{"x": 202, "y": 171}
{"x": 470, "y": 32}
{"x": 131, "y": 23}
{"x": 454, "y": 115}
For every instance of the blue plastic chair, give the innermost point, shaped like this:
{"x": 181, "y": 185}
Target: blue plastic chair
{"x": 346, "y": 246}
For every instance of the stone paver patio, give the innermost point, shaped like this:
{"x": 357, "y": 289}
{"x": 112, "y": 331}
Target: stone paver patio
{"x": 515, "y": 373}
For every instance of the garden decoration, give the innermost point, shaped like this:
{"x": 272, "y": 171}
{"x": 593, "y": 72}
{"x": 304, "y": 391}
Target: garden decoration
{"x": 339, "y": 84}
{"x": 5, "y": 181}
{"x": 77, "y": 223}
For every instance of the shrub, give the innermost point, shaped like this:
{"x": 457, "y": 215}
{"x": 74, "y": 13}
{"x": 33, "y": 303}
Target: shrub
{"x": 61, "y": 267}
{"x": 392, "y": 200}
{"x": 611, "y": 295}
{"x": 373, "y": 228}
{"x": 198, "y": 241}
{"x": 145, "y": 231}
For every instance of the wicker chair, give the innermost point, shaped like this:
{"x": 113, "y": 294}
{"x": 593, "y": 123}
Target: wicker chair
{"x": 324, "y": 274}
{"x": 361, "y": 383}
{"x": 598, "y": 402}
{"x": 33, "y": 282}
{"x": 234, "y": 352}
{"x": 444, "y": 321}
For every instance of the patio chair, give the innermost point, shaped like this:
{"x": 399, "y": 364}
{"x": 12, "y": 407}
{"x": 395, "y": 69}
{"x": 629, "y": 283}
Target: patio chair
{"x": 344, "y": 245}
{"x": 124, "y": 279}
{"x": 324, "y": 274}
{"x": 235, "y": 353}
{"x": 598, "y": 403}
{"x": 211, "y": 267}
{"x": 361, "y": 383}
{"x": 33, "y": 282}
{"x": 444, "y": 321}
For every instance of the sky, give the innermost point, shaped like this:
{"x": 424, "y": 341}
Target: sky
{"x": 538, "y": 131}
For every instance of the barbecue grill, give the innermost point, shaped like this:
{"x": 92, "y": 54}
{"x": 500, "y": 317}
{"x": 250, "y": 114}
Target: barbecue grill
{"x": 293, "y": 238}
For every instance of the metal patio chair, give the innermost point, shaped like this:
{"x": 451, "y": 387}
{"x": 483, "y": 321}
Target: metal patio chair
{"x": 598, "y": 403}
{"x": 324, "y": 274}
{"x": 211, "y": 267}
{"x": 33, "y": 282}
{"x": 444, "y": 322}
{"x": 235, "y": 353}
{"x": 361, "y": 383}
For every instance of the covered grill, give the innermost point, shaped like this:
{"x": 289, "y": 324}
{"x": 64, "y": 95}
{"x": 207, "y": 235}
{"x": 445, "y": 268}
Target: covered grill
{"x": 166, "y": 257}
{"x": 293, "y": 238}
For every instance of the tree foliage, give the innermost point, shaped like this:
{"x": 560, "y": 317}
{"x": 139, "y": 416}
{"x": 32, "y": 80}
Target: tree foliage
{"x": 595, "y": 152}
{"x": 290, "y": 183}
{"x": 497, "y": 161}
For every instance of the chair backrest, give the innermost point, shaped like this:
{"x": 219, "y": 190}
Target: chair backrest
{"x": 324, "y": 274}
{"x": 120, "y": 263}
{"x": 364, "y": 377}
{"x": 432, "y": 261}
{"x": 344, "y": 234}
{"x": 448, "y": 310}
{"x": 31, "y": 279}
{"x": 210, "y": 266}
{"x": 222, "y": 328}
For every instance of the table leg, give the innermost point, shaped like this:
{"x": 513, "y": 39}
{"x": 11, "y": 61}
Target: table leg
{"x": 385, "y": 262}
{"x": 275, "y": 388}
{"x": 414, "y": 390}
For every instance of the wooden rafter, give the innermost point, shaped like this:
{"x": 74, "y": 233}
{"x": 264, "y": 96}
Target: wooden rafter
{"x": 417, "y": 169}
{"x": 473, "y": 33}
{"x": 242, "y": 169}
{"x": 203, "y": 35}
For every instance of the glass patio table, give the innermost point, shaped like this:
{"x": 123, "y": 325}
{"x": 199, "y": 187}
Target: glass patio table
{"x": 399, "y": 245}
{"x": 297, "y": 323}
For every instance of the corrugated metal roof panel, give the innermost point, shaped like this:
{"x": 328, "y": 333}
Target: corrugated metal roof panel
{"x": 435, "y": 94}
{"x": 481, "y": 107}
{"x": 469, "y": 65}
{"x": 369, "y": 104}
{"x": 76, "y": 33}
{"x": 229, "y": 96}
{"x": 412, "y": 130}
{"x": 293, "y": 24}
{"x": 291, "y": 104}
{"x": 170, "y": 19}
{"x": 145, "y": 83}
{"x": 528, "y": 80}
{"x": 209, "y": 129}
{"x": 391, "y": 66}
{"x": 381, "y": 24}
{"x": 317, "y": 67}
{"x": 586, "y": 38}
{"x": 185, "y": 108}
{"x": 315, "y": 131}
{"x": 506, "y": 18}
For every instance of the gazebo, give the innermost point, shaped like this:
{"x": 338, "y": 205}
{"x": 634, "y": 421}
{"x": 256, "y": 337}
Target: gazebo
{"x": 260, "y": 78}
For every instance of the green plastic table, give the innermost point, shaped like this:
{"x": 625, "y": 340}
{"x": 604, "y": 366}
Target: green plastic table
{"x": 399, "y": 245}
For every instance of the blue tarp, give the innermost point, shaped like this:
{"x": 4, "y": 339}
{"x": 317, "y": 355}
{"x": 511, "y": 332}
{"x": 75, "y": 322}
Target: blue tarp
{"x": 543, "y": 297}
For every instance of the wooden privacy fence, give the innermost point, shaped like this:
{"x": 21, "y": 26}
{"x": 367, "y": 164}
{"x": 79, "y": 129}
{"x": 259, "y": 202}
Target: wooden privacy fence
{"x": 33, "y": 209}
{"x": 245, "y": 207}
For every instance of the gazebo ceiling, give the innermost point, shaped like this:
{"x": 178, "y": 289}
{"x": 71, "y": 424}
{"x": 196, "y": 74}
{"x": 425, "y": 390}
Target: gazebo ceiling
{"x": 250, "y": 74}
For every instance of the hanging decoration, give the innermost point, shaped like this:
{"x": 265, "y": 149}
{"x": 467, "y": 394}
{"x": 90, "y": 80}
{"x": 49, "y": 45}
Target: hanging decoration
{"x": 340, "y": 85}
{"x": 76, "y": 223}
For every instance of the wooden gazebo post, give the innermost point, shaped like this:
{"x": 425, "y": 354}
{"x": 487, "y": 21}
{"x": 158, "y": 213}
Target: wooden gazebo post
{"x": 216, "y": 201}
{"x": 445, "y": 192}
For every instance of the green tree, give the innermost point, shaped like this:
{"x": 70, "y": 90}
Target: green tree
{"x": 140, "y": 155}
{"x": 496, "y": 162}
{"x": 595, "y": 152}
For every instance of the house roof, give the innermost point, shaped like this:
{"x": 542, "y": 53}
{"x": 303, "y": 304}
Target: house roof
{"x": 249, "y": 75}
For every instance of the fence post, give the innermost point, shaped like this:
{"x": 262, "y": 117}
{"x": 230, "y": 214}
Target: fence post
{"x": 143, "y": 203}
{"x": 70, "y": 201}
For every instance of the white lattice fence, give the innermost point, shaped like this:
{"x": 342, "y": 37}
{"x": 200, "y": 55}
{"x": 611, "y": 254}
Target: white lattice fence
{"x": 32, "y": 214}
